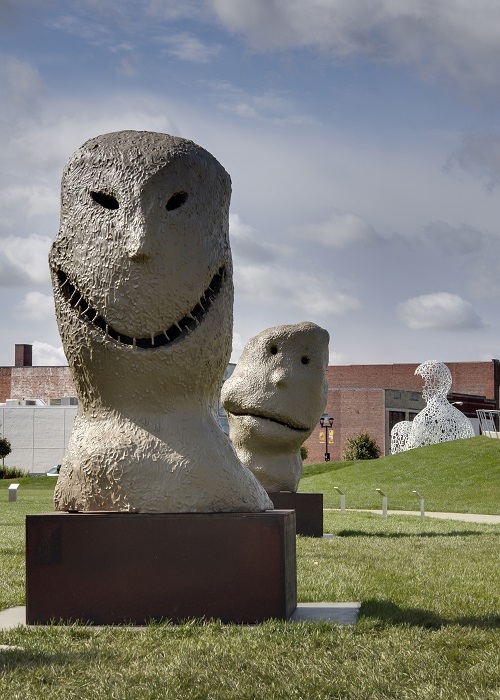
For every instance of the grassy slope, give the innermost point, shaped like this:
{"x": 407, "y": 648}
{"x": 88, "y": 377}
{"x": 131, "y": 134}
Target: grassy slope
{"x": 428, "y": 626}
{"x": 459, "y": 476}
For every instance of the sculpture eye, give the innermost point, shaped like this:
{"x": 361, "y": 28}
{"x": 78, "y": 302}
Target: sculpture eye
{"x": 305, "y": 360}
{"x": 105, "y": 200}
{"x": 176, "y": 201}
{"x": 273, "y": 349}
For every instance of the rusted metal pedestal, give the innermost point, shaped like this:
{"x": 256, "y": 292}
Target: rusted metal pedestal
{"x": 126, "y": 568}
{"x": 308, "y": 508}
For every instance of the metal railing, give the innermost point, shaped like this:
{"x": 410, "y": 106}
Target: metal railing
{"x": 489, "y": 422}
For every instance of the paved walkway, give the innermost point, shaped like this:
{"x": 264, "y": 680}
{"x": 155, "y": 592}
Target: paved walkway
{"x": 465, "y": 517}
{"x": 340, "y": 613}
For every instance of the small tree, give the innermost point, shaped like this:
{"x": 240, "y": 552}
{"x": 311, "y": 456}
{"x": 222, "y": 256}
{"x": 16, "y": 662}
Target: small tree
{"x": 5, "y": 449}
{"x": 304, "y": 452}
{"x": 361, "y": 446}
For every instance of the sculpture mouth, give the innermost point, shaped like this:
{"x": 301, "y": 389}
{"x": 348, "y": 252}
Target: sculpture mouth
{"x": 265, "y": 416}
{"x": 178, "y": 330}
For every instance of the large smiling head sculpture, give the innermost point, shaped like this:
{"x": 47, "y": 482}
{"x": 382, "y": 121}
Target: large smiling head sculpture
{"x": 275, "y": 398}
{"x": 142, "y": 277}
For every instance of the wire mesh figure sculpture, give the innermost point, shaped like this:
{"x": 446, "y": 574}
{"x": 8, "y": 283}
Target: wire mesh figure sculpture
{"x": 399, "y": 436}
{"x": 439, "y": 421}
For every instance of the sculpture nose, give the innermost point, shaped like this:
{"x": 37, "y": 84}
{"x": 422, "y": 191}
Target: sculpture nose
{"x": 138, "y": 252}
{"x": 279, "y": 378}
{"x": 138, "y": 240}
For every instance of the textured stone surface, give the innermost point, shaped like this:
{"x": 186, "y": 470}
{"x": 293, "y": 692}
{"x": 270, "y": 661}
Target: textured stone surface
{"x": 142, "y": 276}
{"x": 274, "y": 399}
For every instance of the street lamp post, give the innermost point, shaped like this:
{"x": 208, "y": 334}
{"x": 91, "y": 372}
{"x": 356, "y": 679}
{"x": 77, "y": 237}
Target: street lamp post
{"x": 326, "y": 422}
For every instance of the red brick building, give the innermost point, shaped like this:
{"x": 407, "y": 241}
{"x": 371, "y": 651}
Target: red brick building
{"x": 371, "y": 398}
{"x": 361, "y": 398}
{"x": 23, "y": 381}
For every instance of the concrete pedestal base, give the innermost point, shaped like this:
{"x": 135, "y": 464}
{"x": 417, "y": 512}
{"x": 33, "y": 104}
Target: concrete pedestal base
{"x": 308, "y": 508}
{"x": 126, "y": 568}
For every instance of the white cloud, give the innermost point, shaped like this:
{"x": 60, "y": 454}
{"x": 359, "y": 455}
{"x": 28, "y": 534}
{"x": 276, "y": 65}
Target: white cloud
{"x": 188, "y": 47}
{"x": 49, "y": 141}
{"x": 441, "y": 311}
{"x": 454, "y": 38}
{"x": 20, "y": 84}
{"x": 173, "y": 9}
{"x": 246, "y": 246}
{"x": 462, "y": 239}
{"x": 341, "y": 230}
{"x": 262, "y": 276}
{"x": 268, "y": 106}
{"x": 237, "y": 348}
{"x": 480, "y": 155}
{"x": 47, "y": 355}
{"x": 273, "y": 285}
{"x": 37, "y": 306}
{"x": 24, "y": 260}
{"x": 31, "y": 200}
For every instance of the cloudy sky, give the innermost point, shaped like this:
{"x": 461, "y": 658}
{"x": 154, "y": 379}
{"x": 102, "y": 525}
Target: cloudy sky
{"x": 362, "y": 138}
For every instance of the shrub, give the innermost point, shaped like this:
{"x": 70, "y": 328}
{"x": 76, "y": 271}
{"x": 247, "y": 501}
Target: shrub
{"x": 361, "y": 446}
{"x": 5, "y": 448}
{"x": 304, "y": 452}
{"x": 11, "y": 473}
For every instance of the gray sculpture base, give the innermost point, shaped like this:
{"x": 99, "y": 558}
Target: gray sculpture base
{"x": 125, "y": 568}
{"x": 308, "y": 510}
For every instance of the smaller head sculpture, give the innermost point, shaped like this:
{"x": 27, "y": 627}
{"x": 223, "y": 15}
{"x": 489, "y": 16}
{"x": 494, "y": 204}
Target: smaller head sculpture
{"x": 274, "y": 399}
{"x": 437, "y": 378}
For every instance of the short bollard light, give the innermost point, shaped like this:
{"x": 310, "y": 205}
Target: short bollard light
{"x": 342, "y": 498}
{"x": 13, "y": 492}
{"x": 384, "y": 502}
{"x": 422, "y": 505}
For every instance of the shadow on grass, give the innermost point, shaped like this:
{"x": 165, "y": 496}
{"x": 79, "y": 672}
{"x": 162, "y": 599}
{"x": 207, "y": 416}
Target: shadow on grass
{"x": 455, "y": 533}
{"x": 386, "y": 611}
{"x": 17, "y": 658}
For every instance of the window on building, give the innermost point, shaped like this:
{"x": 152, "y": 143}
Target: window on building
{"x": 414, "y": 396}
{"x": 412, "y": 414}
{"x": 395, "y": 417}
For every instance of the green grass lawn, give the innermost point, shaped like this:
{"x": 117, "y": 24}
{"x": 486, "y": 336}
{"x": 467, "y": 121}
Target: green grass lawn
{"x": 461, "y": 476}
{"x": 428, "y": 627}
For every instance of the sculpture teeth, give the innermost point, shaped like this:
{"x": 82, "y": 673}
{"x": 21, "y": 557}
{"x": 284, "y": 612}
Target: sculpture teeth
{"x": 176, "y": 331}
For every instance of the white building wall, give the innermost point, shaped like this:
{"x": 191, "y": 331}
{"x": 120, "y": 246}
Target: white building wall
{"x": 38, "y": 435}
